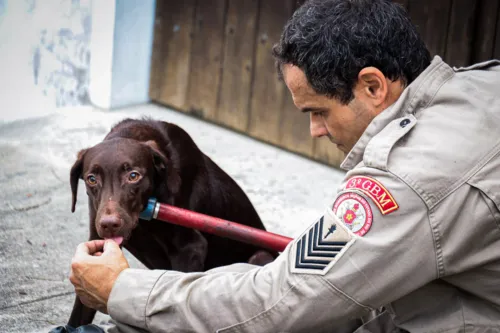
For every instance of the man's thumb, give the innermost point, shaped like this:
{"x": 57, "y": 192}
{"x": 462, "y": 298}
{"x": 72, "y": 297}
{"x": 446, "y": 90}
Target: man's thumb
{"x": 110, "y": 246}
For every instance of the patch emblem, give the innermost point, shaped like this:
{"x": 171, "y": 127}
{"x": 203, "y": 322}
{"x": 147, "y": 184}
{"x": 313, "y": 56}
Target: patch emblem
{"x": 382, "y": 198}
{"x": 354, "y": 211}
{"x": 321, "y": 245}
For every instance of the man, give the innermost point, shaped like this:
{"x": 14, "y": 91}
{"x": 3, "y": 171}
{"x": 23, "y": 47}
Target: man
{"x": 414, "y": 231}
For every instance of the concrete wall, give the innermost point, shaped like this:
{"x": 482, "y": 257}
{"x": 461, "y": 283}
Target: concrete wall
{"x": 44, "y": 56}
{"x": 58, "y": 54}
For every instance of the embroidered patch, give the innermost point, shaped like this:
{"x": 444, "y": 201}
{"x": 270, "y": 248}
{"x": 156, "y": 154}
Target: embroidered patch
{"x": 375, "y": 190}
{"x": 321, "y": 245}
{"x": 354, "y": 211}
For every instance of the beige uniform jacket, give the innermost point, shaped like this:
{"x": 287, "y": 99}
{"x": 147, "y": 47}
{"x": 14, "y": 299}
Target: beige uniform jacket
{"x": 413, "y": 232}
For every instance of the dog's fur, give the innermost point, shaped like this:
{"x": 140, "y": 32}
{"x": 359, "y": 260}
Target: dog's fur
{"x": 142, "y": 158}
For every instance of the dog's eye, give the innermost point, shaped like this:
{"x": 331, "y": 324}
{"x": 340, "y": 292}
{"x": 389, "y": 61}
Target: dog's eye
{"x": 134, "y": 176}
{"x": 91, "y": 180}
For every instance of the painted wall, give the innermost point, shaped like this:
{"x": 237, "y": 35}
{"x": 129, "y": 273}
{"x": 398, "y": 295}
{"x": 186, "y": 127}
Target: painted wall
{"x": 133, "y": 39}
{"x": 121, "y": 47}
{"x": 44, "y": 56}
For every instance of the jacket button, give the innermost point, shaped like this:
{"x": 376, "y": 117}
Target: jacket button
{"x": 404, "y": 122}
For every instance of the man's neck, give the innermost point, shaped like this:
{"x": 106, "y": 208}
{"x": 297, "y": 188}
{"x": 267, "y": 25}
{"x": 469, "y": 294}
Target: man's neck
{"x": 395, "y": 90}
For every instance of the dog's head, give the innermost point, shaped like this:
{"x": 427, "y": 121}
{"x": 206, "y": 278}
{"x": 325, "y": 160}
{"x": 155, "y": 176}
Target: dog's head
{"x": 120, "y": 176}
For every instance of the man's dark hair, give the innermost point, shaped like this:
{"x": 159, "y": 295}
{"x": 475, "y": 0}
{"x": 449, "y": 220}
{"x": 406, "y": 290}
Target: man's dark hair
{"x": 332, "y": 40}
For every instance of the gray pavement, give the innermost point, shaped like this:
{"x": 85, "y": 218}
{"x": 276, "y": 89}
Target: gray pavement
{"x": 38, "y": 232}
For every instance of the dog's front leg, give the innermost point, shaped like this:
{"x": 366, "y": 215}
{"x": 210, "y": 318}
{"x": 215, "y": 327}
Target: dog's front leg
{"x": 189, "y": 250}
{"x": 82, "y": 314}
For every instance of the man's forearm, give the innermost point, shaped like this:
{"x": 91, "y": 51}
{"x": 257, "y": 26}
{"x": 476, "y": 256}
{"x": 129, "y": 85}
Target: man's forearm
{"x": 169, "y": 301}
{"x": 239, "y": 298}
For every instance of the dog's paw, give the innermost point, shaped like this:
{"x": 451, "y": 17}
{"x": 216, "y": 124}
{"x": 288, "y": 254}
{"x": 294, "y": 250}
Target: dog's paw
{"x": 261, "y": 258}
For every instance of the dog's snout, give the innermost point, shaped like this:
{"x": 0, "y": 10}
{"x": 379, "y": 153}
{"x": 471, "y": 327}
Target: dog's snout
{"x": 110, "y": 223}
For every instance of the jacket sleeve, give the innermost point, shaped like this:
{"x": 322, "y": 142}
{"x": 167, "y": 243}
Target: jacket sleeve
{"x": 353, "y": 259}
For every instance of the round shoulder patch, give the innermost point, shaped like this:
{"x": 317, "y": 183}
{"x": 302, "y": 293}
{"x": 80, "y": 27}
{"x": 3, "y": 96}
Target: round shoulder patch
{"x": 354, "y": 211}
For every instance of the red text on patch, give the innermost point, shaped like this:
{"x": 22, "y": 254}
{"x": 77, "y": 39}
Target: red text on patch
{"x": 382, "y": 198}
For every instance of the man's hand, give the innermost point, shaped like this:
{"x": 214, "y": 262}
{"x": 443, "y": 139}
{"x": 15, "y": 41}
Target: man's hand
{"x": 94, "y": 270}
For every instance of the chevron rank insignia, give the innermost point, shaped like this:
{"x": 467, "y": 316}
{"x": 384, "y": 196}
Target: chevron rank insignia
{"x": 319, "y": 247}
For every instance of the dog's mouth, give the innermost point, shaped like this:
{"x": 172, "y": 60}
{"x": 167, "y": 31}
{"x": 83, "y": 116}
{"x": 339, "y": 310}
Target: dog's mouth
{"x": 117, "y": 239}
{"x": 122, "y": 233}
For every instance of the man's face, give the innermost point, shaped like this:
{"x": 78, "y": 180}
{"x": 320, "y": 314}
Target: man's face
{"x": 343, "y": 124}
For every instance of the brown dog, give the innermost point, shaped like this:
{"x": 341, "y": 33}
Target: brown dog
{"x": 139, "y": 159}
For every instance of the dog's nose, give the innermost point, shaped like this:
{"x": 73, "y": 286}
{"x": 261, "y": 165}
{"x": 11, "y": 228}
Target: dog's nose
{"x": 111, "y": 223}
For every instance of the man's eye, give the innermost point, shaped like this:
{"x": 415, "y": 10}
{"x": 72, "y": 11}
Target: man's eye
{"x": 91, "y": 180}
{"x": 134, "y": 176}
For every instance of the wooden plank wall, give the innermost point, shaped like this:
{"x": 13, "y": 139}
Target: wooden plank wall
{"x": 212, "y": 59}
{"x": 462, "y": 32}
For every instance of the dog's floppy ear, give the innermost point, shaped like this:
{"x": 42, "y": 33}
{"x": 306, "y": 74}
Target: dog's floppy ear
{"x": 75, "y": 175}
{"x": 163, "y": 166}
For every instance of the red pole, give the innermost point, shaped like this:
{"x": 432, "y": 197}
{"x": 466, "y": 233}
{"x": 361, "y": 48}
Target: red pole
{"x": 220, "y": 227}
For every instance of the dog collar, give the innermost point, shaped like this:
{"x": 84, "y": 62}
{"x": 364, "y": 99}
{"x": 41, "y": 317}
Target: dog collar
{"x": 151, "y": 210}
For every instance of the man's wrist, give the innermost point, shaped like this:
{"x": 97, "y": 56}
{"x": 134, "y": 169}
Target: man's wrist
{"x": 114, "y": 286}
{"x": 130, "y": 293}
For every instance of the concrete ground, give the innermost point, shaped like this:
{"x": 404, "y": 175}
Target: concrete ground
{"x": 38, "y": 232}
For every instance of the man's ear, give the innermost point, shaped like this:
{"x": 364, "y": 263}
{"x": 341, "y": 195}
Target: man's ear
{"x": 165, "y": 168}
{"x": 75, "y": 175}
{"x": 372, "y": 86}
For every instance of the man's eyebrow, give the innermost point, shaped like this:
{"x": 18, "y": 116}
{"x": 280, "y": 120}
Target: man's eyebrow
{"x": 309, "y": 109}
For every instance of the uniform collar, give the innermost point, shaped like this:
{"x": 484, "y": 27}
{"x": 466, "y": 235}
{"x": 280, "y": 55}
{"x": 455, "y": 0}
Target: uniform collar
{"x": 411, "y": 101}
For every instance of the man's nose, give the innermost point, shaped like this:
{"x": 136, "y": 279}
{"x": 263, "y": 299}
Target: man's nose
{"x": 317, "y": 126}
